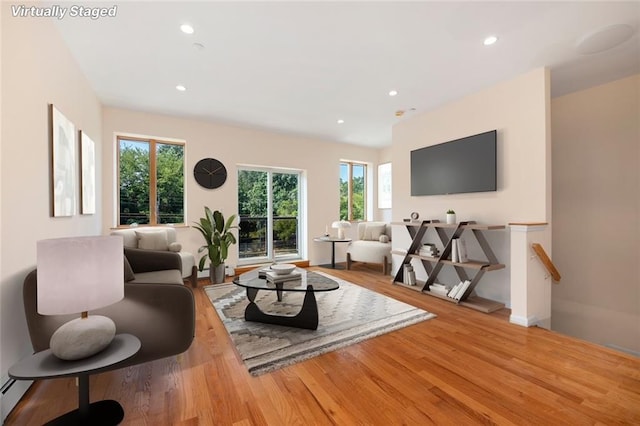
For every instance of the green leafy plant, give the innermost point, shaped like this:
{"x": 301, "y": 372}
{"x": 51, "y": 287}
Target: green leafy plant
{"x": 217, "y": 235}
{"x": 450, "y": 212}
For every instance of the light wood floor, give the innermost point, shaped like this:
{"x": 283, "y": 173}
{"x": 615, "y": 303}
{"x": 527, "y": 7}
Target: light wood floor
{"x": 463, "y": 367}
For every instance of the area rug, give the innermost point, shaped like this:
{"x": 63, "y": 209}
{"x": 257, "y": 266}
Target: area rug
{"x": 348, "y": 315}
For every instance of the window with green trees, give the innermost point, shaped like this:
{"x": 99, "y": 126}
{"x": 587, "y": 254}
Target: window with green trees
{"x": 269, "y": 207}
{"x": 353, "y": 191}
{"x": 151, "y": 181}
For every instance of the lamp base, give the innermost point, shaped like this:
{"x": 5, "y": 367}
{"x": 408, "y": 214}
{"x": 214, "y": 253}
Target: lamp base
{"x": 341, "y": 233}
{"x": 82, "y": 337}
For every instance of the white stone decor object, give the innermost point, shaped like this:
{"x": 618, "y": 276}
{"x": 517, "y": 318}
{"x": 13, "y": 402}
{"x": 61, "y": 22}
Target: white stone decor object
{"x": 82, "y": 337}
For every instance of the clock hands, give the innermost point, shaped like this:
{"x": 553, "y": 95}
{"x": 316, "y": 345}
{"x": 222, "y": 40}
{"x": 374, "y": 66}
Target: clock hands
{"x": 213, "y": 172}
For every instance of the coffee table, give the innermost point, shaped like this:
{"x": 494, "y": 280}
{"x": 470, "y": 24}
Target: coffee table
{"x": 309, "y": 283}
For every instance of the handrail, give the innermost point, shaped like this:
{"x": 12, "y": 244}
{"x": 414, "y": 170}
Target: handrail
{"x": 546, "y": 261}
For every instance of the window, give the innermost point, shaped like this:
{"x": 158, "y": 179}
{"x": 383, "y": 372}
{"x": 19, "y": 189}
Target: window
{"x": 269, "y": 203}
{"x": 353, "y": 191}
{"x": 384, "y": 186}
{"x": 151, "y": 181}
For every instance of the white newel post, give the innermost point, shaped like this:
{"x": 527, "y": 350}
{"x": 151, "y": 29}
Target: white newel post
{"x": 530, "y": 281}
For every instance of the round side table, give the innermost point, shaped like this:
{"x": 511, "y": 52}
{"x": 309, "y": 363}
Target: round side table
{"x": 45, "y": 365}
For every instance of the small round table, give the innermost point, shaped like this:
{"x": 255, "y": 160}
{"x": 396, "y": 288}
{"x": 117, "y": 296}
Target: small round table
{"x": 333, "y": 241}
{"x": 45, "y": 365}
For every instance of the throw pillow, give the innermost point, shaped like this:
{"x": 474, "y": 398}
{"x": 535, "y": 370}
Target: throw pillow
{"x": 128, "y": 271}
{"x": 175, "y": 247}
{"x": 373, "y": 232}
{"x": 152, "y": 240}
{"x": 384, "y": 238}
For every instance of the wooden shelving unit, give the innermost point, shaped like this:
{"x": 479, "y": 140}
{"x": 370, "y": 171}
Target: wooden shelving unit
{"x": 433, "y": 265}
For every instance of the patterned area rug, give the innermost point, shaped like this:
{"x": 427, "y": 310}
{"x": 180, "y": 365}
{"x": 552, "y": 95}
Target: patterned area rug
{"x": 347, "y": 315}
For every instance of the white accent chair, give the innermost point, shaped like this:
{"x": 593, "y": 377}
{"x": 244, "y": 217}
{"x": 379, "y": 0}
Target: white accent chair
{"x": 373, "y": 245}
{"x": 160, "y": 238}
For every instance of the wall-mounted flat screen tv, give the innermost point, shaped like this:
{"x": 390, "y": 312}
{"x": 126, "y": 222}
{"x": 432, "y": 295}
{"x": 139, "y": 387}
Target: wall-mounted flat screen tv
{"x": 459, "y": 166}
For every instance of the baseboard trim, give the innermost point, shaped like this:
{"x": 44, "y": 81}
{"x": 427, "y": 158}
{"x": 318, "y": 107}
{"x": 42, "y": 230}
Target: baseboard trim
{"x": 622, "y": 349}
{"x": 529, "y": 321}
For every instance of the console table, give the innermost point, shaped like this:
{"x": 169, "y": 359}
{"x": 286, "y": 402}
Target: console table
{"x": 433, "y": 265}
{"x": 45, "y": 365}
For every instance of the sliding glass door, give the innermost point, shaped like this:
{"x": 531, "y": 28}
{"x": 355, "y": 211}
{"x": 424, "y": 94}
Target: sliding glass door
{"x": 269, "y": 203}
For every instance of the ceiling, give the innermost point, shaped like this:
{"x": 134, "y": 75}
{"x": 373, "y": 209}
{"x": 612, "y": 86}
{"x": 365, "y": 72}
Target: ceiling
{"x": 298, "y": 67}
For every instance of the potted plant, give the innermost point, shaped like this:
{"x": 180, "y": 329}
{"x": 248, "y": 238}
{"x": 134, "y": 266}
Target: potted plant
{"x": 451, "y": 216}
{"x": 218, "y": 237}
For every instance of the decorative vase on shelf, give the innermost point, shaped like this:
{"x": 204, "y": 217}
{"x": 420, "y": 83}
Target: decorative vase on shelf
{"x": 451, "y": 217}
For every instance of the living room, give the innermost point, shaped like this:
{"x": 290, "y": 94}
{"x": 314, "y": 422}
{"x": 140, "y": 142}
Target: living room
{"x": 38, "y": 69}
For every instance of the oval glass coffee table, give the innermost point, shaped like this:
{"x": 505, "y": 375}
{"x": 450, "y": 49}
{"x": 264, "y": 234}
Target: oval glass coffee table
{"x": 309, "y": 283}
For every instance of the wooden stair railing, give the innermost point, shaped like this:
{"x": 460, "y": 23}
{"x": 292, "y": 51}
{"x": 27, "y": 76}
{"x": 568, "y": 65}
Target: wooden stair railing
{"x": 546, "y": 261}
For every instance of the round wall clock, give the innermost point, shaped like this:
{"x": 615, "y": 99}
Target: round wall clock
{"x": 210, "y": 173}
{"x": 414, "y": 215}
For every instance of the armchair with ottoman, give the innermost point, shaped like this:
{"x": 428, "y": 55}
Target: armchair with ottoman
{"x": 161, "y": 239}
{"x": 373, "y": 245}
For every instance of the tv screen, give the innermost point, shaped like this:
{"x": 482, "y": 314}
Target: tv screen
{"x": 459, "y": 166}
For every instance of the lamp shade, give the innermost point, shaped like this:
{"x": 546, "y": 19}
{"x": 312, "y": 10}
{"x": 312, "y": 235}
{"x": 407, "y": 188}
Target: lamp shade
{"x": 79, "y": 274}
{"x": 341, "y": 225}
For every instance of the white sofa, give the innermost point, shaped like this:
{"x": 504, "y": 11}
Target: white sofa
{"x": 160, "y": 238}
{"x": 373, "y": 245}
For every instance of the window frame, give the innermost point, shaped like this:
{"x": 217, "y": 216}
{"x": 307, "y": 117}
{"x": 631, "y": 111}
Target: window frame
{"x": 385, "y": 185}
{"x": 153, "y": 178}
{"x": 365, "y": 208}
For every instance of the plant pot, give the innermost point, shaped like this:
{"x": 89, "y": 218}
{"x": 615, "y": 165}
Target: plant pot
{"x": 216, "y": 273}
{"x": 451, "y": 218}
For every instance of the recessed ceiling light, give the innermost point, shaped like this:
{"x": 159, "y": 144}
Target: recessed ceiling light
{"x": 198, "y": 46}
{"x": 180, "y": 88}
{"x": 393, "y": 92}
{"x": 186, "y": 28}
{"x": 490, "y": 40}
{"x": 340, "y": 121}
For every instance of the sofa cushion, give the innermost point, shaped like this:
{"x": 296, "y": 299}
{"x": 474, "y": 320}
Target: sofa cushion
{"x": 369, "y": 251}
{"x": 384, "y": 238}
{"x": 169, "y": 276}
{"x": 128, "y": 271}
{"x": 156, "y": 240}
{"x": 372, "y": 232}
{"x": 175, "y": 247}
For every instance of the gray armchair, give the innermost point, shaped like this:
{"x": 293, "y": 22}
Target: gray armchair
{"x": 162, "y": 316}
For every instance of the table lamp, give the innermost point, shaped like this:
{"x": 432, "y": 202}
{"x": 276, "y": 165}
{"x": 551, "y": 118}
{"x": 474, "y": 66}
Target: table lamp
{"x": 341, "y": 225}
{"x": 76, "y": 275}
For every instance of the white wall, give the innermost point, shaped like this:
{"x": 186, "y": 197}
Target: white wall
{"x": 518, "y": 109}
{"x": 596, "y": 210}
{"x": 37, "y": 70}
{"x": 233, "y": 146}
